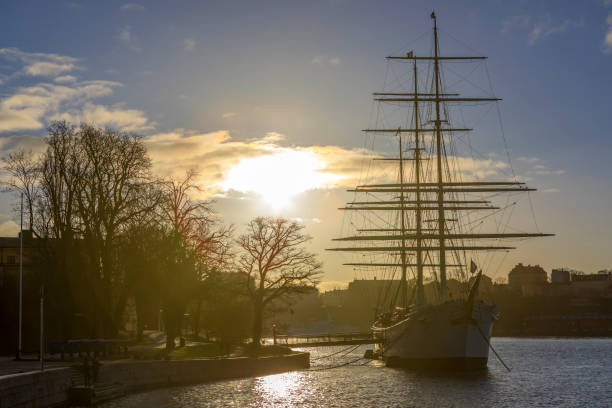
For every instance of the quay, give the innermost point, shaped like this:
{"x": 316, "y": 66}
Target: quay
{"x": 326, "y": 340}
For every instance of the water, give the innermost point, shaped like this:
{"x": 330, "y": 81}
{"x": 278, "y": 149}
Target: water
{"x": 545, "y": 373}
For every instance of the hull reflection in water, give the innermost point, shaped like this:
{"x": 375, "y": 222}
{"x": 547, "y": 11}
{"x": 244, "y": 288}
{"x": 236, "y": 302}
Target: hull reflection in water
{"x": 444, "y": 336}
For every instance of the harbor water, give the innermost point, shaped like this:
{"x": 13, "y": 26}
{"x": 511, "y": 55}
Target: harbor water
{"x": 545, "y": 372}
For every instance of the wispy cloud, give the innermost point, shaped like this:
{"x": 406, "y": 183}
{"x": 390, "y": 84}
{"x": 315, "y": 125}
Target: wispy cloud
{"x": 65, "y": 78}
{"x": 547, "y": 27}
{"x": 189, "y": 44}
{"x": 128, "y": 120}
{"x": 37, "y": 63}
{"x": 607, "y": 44}
{"x": 322, "y": 60}
{"x": 527, "y": 159}
{"x": 546, "y": 172}
{"x": 515, "y": 22}
{"x": 539, "y": 29}
{"x": 228, "y": 115}
{"x": 125, "y": 36}
{"x": 132, "y": 7}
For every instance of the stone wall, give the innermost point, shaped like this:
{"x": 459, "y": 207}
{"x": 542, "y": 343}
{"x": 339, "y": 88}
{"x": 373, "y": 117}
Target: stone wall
{"x": 139, "y": 375}
{"x": 35, "y": 389}
{"x": 51, "y": 388}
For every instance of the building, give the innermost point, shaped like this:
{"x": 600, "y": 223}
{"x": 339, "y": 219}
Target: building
{"x": 9, "y": 294}
{"x": 560, "y": 276}
{"x": 527, "y": 279}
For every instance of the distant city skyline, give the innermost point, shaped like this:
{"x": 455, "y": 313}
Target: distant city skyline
{"x": 267, "y": 101}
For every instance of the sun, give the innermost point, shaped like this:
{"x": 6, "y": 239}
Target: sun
{"x": 279, "y": 176}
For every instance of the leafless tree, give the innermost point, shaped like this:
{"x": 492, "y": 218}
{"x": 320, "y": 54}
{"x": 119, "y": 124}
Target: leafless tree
{"x": 274, "y": 263}
{"x": 201, "y": 239}
{"x": 23, "y": 170}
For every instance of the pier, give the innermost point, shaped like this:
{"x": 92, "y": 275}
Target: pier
{"x": 324, "y": 340}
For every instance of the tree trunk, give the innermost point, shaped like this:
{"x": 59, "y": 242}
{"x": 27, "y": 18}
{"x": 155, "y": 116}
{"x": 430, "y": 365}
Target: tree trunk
{"x": 196, "y": 318}
{"x": 257, "y": 322}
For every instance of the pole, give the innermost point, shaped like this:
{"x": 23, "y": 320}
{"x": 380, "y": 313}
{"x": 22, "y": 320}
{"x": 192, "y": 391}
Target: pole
{"x": 441, "y": 220}
{"x": 20, "y": 278}
{"x": 42, "y": 327}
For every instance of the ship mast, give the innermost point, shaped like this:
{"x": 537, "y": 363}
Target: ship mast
{"x": 420, "y": 295}
{"x": 403, "y": 285}
{"x": 426, "y": 197}
{"x": 441, "y": 220}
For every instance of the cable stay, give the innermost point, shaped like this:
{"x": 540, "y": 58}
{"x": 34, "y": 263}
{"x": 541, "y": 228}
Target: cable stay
{"x": 437, "y": 236}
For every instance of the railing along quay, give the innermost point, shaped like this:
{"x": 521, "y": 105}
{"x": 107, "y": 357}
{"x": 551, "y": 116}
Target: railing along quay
{"x": 329, "y": 339}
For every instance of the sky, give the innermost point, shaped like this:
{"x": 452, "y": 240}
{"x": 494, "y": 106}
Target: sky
{"x": 267, "y": 99}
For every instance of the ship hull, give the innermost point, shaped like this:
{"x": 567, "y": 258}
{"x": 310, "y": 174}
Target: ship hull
{"x": 440, "y": 337}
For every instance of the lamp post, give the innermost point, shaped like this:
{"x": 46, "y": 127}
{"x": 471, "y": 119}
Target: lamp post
{"x": 20, "y": 278}
{"x": 42, "y": 327}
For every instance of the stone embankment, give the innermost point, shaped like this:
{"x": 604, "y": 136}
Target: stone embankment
{"x": 52, "y": 387}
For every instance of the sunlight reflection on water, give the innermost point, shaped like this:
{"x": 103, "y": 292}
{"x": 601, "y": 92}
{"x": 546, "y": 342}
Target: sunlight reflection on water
{"x": 545, "y": 373}
{"x": 283, "y": 389}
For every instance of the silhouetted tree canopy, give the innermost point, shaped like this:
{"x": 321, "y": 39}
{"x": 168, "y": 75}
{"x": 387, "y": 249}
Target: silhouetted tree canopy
{"x": 274, "y": 263}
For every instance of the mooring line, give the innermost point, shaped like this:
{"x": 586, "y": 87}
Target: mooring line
{"x": 337, "y": 352}
{"x": 491, "y": 346}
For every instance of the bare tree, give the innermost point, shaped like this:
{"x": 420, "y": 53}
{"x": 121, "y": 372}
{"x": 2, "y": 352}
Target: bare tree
{"x": 199, "y": 243}
{"x": 275, "y": 263}
{"x": 24, "y": 176}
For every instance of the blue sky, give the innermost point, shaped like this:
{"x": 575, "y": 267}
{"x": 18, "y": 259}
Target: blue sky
{"x": 287, "y": 75}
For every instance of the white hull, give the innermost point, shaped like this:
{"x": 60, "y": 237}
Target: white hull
{"x": 442, "y": 336}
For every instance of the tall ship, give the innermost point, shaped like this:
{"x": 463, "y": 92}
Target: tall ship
{"x": 426, "y": 222}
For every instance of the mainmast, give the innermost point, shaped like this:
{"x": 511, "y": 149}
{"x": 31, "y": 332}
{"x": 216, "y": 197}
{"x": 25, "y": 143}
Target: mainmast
{"x": 420, "y": 295}
{"x": 441, "y": 220}
{"x": 403, "y": 285}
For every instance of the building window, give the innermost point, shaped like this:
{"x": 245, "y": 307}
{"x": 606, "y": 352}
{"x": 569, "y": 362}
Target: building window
{"x": 11, "y": 260}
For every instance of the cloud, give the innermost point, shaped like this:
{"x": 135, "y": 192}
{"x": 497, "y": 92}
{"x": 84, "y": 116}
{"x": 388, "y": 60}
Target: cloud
{"x": 527, "y": 159}
{"x": 322, "y": 60}
{"x": 514, "y": 22}
{"x": 189, "y": 44}
{"x": 538, "y": 29}
{"x": 215, "y": 154}
{"x": 37, "y": 63}
{"x": 550, "y": 172}
{"x": 550, "y": 190}
{"x": 131, "y": 7}
{"x": 128, "y": 39}
{"x": 32, "y": 143}
{"x": 47, "y": 68}
{"x": 65, "y": 78}
{"x": 28, "y": 108}
{"x": 128, "y": 120}
{"x": 546, "y": 27}
{"x": 9, "y": 229}
{"x": 228, "y": 115}
{"x": 607, "y": 44}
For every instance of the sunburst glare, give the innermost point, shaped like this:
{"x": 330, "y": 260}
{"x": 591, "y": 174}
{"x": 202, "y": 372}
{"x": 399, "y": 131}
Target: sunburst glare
{"x": 278, "y": 177}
